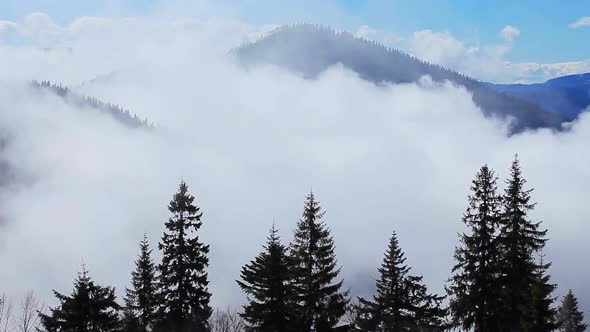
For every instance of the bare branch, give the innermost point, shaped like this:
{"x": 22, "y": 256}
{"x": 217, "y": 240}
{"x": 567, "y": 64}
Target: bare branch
{"x": 28, "y": 320}
{"x": 6, "y": 319}
{"x": 226, "y": 320}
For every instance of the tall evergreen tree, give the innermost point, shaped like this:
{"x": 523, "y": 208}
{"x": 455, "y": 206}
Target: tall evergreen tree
{"x": 402, "y": 302}
{"x": 267, "y": 282}
{"x": 473, "y": 286}
{"x": 541, "y": 316}
{"x": 89, "y": 308}
{"x": 520, "y": 240}
{"x": 571, "y": 319}
{"x": 141, "y": 302}
{"x": 183, "y": 283}
{"x": 320, "y": 301}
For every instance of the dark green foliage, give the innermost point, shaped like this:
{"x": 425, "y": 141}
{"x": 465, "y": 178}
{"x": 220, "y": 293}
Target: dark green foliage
{"x": 473, "y": 286}
{"x": 541, "y": 315}
{"x": 90, "y": 308}
{"x": 266, "y": 281}
{"x": 362, "y": 317}
{"x": 320, "y": 301}
{"x": 183, "y": 278}
{"x": 402, "y": 302}
{"x": 520, "y": 239}
{"x": 141, "y": 302}
{"x": 571, "y": 319}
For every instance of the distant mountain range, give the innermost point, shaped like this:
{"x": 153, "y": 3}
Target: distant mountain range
{"x": 310, "y": 49}
{"x": 567, "y": 95}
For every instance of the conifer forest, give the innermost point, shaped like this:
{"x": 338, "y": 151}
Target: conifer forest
{"x": 500, "y": 280}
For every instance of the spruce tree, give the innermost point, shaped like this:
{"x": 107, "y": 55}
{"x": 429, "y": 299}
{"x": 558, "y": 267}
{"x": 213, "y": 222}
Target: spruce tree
{"x": 141, "y": 302}
{"x": 520, "y": 240}
{"x": 320, "y": 301}
{"x": 89, "y": 308}
{"x": 541, "y": 316}
{"x": 267, "y": 282}
{"x": 570, "y": 318}
{"x": 183, "y": 283}
{"x": 402, "y": 302}
{"x": 473, "y": 287}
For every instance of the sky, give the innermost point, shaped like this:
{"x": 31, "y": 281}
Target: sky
{"x": 529, "y": 41}
{"x": 546, "y": 35}
{"x": 251, "y": 143}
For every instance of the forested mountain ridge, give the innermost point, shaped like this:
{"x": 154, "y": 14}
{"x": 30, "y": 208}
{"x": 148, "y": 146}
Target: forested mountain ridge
{"x": 8, "y": 172}
{"x": 120, "y": 114}
{"x": 566, "y": 95}
{"x": 310, "y": 49}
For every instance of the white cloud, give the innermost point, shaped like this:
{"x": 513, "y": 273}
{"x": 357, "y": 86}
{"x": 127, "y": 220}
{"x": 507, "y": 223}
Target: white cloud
{"x": 437, "y": 47}
{"x": 509, "y": 33}
{"x": 582, "y": 22}
{"x": 488, "y": 62}
{"x": 8, "y": 29}
{"x": 530, "y": 71}
{"x": 485, "y": 62}
{"x": 250, "y": 144}
{"x": 385, "y": 38}
{"x": 42, "y": 29}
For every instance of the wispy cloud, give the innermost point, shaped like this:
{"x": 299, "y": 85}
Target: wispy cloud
{"x": 509, "y": 33}
{"x": 386, "y": 38}
{"x": 582, "y": 22}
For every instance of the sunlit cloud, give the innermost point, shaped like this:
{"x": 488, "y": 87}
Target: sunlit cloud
{"x": 582, "y": 22}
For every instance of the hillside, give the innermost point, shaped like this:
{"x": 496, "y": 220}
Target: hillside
{"x": 310, "y": 49}
{"x": 8, "y": 172}
{"x": 117, "y": 112}
{"x": 567, "y": 95}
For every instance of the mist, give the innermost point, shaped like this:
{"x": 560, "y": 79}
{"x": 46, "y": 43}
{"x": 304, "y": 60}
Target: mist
{"x": 251, "y": 144}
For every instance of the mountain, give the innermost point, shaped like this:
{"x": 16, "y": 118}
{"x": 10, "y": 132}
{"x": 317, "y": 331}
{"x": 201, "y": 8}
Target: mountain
{"x": 567, "y": 95}
{"x": 84, "y": 102}
{"x": 9, "y": 173}
{"x": 310, "y": 49}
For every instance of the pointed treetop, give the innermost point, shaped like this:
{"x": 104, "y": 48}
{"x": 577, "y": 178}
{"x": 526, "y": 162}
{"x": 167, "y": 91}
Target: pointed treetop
{"x": 273, "y": 230}
{"x": 312, "y": 211}
{"x": 83, "y": 274}
{"x": 145, "y": 241}
{"x": 516, "y": 173}
{"x": 273, "y": 237}
{"x": 571, "y": 318}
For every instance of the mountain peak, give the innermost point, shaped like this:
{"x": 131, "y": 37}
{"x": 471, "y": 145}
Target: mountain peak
{"x": 310, "y": 49}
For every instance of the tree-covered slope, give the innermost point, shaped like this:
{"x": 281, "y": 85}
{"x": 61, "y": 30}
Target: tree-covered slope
{"x": 567, "y": 95}
{"x": 310, "y": 49}
{"x": 117, "y": 112}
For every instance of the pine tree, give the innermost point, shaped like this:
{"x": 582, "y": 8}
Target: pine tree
{"x": 473, "y": 286}
{"x": 571, "y": 319}
{"x": 541, "y": 316}
{"x": 402, "y": 302}
{"x": 141, "y": 302}
{"x": 267, "y": 282}
{"x": 320, "y": 301}
{"x": 183, "y": 283}
{"x": 89, "y": 308}
{"x": 520, "y": 239}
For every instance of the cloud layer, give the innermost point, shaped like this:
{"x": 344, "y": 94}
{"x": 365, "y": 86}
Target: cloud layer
{"x": 582, "y": 22}
{"x": 488, "y": 62}
{"x": 251, "y": 144}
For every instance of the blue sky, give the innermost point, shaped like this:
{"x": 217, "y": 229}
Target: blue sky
{"x": 544, "y": 25}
